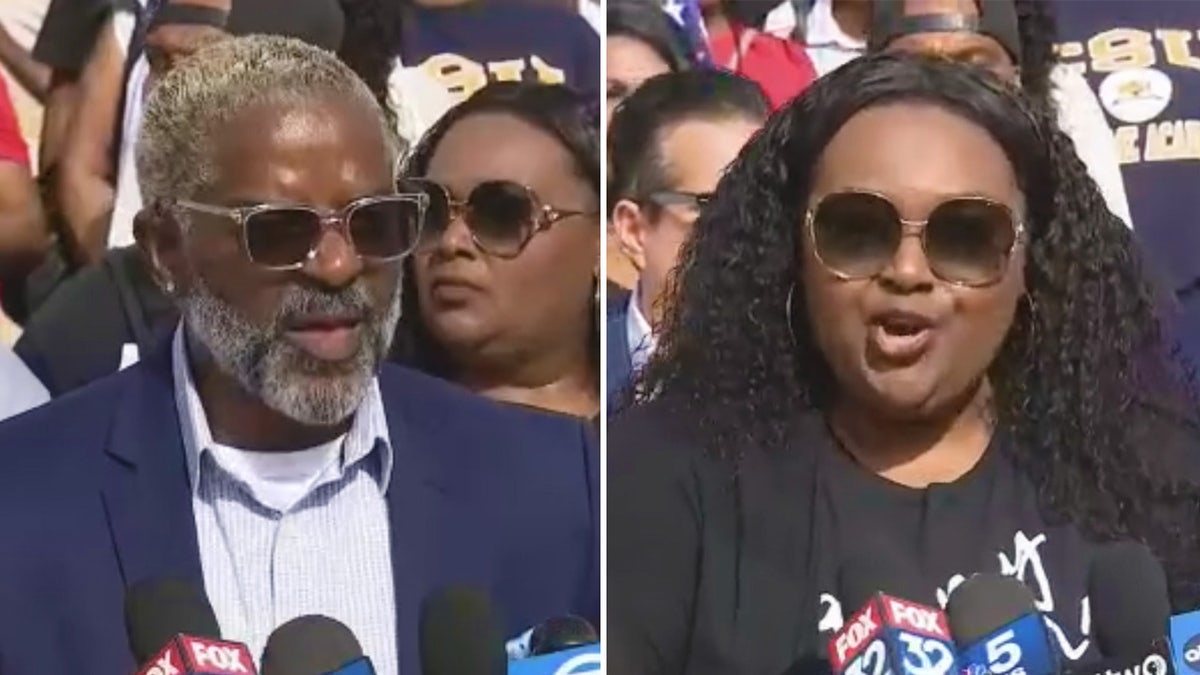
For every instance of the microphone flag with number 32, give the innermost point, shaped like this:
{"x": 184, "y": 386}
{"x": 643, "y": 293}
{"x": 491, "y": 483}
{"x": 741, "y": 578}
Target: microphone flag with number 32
{"x": 892, "y": 636}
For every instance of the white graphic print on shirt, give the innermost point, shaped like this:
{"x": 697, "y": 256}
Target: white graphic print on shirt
{"x": 1025, "y": 564}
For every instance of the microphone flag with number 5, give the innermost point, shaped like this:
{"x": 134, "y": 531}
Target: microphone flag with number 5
{"x": 998, "y": 629}
{"x": 892, "y": 636}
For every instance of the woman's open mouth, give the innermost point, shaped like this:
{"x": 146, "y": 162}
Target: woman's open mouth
{"x": 900, "y": 336}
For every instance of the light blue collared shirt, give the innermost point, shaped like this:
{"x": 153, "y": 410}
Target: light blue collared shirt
{"x": 327, "y": 554}
{"x": 20, "y": 390}
{"x": 639, "y": 333}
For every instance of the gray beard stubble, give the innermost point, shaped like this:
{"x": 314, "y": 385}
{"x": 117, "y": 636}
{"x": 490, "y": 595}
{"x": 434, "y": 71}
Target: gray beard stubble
{"x": 283, "y": 377}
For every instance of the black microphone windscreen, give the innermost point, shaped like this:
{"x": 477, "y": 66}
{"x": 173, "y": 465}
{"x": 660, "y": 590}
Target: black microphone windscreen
{"x": 309, "y": 645}
{"x": 867, "y": 573}
{"x": 1127, "y": 589}
{"x": 159, "y": 609}
{"x": 559, "y": 633}
{"x": 460, "y": 634}
{"x": 985, "y": 602}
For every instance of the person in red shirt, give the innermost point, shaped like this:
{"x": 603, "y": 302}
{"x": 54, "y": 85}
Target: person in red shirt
{"x": 23, "y": 239}
{"x": 780, "y": 66}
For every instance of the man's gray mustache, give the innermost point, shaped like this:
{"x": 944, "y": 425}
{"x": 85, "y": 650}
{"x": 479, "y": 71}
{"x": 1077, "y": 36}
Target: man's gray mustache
{"x": 298, "y": 301}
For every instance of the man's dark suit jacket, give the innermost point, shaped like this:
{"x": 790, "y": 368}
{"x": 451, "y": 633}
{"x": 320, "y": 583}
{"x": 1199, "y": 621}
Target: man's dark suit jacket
{"x": 94, "y": 497}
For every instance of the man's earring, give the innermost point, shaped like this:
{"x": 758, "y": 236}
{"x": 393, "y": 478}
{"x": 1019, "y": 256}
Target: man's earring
{"x": 169, "y": 287}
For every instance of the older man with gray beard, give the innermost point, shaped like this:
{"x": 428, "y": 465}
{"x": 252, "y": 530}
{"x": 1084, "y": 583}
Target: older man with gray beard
{"x": 263, "y": 453}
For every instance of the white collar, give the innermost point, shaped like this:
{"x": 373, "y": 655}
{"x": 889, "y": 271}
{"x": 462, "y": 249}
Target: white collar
{"x": 368, "y": 430}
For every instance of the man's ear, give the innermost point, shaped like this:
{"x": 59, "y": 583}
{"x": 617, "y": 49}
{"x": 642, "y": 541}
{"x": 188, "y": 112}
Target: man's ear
{"x": 630, "y": 225}
{"x": 160, "y": 239}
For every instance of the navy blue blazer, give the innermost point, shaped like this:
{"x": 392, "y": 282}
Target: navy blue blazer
{"x": 620, "y": 362}
{"x": 94, "y": 497}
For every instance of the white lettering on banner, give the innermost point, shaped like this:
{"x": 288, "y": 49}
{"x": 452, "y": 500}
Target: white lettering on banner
{"x": 462, "y": 76}
{"x": 1137, "y": 71}
{"x": 1025, "y": 565}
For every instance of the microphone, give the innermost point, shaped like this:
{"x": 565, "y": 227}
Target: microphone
{"x": 173, "y": 631}
{"x": 566, "y": 644}
{"x": 998, "y": 629}
{"x": 314, "y": 645}
{"x": 1131, "y": 609}
{"x": 1185, "y": 642}
{"x": 1127, "y": 589}
{"x": 888, "y": 634}
{"x": 561, "y": 633}
{"x": 460, "y": 635}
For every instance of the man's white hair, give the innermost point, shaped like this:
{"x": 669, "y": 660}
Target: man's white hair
{"x": 189, "y": 107}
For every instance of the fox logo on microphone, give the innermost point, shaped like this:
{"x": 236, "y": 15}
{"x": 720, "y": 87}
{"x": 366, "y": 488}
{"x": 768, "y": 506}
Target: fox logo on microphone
{"x": 212, "y": 656}
{"x": 165, "y": 664}
{"x": 856, "y": 633}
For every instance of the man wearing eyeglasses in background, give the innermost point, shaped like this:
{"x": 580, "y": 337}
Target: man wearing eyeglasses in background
{"x": 668, "y": 144}
{"x": 263, "y": 452}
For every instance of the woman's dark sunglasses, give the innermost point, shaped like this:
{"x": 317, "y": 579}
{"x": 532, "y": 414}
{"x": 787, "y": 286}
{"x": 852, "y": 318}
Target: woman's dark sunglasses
{"x": 380, "y": 229}
{"x": 502, "y": 216}
{"x": 968, "y": 241}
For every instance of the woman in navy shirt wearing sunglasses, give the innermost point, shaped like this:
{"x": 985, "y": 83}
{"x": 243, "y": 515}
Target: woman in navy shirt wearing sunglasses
{"x": 502, "y": 295}
{"x": 908, "y": 333}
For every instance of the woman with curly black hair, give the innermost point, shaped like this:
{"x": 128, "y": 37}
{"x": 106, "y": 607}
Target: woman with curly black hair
{"x": 906, "y": 327}
{"x": 502, "y": 297}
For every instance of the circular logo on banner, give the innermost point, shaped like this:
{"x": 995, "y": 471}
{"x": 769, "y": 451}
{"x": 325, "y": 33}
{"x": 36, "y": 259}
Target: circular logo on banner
{"x": 580, "y": 665}
{"x": 1191, "y": 653}
{"x": 1136, "y": 95}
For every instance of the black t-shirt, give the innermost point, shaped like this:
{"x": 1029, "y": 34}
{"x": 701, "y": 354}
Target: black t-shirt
{"x": 986, "y": 521}
{"x": 69, "y": 32}
{"x": 715, "y": 572}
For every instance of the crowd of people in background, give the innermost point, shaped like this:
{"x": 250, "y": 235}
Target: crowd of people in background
{"x": 337, "y": 265}
{"x": 371, "y": 233}
{"x": 80, "y": 300}
{"x": 1120, "y": 86}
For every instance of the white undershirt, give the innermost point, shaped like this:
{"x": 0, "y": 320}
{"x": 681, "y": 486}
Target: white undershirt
{"x": 279, "y": 480}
